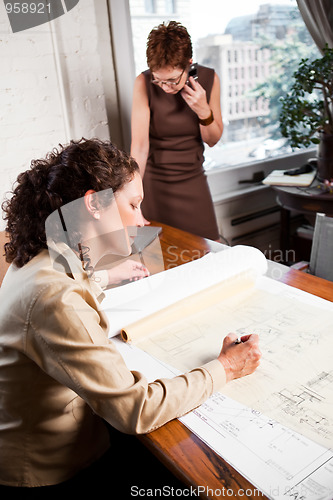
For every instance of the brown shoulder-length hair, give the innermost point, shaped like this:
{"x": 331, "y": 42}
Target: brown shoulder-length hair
{"x": 64, "y": 175}
{"x": 169, "y": 44}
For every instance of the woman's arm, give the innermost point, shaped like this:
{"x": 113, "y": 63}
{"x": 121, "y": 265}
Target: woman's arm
{"x": 197, "y": 100}
{"x": 140, "y": 123}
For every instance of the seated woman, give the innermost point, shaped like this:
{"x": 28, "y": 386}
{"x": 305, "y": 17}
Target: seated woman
{"x": 62, "y": 381}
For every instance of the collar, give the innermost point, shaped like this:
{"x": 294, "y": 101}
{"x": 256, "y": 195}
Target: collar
{"x": 64, "y": 259}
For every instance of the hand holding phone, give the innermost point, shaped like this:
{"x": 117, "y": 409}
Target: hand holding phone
{"x": 193, "y": 71}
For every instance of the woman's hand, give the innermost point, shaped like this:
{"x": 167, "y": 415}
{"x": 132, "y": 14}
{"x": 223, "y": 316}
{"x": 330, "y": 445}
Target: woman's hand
{"x": 129, "y": 270}
{"x": 195, "y": 97}
{"x": 240, "y": 359}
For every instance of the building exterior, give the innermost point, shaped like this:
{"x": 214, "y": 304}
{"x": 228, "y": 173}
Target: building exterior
{"x": 241, "y": 66}
{"x": 273, "y": 21}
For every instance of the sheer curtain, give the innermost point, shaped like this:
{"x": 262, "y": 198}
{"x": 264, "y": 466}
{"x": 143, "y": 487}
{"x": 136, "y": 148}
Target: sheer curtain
{"x": 318, "y": 17}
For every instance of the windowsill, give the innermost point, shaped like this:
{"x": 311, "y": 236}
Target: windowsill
{"x": 246, "y": 189}
{"x": 289, "y": 159}
{"x": 226, "y": 182}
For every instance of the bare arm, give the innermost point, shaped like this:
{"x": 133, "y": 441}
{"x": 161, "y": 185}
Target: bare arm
{"x": 140, "y": 123}
{"x": 197, "y": 100}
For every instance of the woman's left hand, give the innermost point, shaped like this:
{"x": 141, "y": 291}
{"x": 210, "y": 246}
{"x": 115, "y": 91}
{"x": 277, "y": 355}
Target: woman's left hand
{"x": 195, "y": 97}
{"x": 129, "y": 270}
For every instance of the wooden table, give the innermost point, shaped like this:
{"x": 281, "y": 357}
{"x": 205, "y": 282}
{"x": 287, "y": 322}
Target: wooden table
{"x": 181, "y": 451}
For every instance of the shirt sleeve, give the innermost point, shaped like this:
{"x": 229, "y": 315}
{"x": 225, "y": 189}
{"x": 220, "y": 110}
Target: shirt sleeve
{"x": 102, "y": 278}
{"x": 67, "y": 337}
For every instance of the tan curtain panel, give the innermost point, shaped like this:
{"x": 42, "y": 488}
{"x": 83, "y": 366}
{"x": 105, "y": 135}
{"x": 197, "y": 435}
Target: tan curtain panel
{"x": 318, "y": 17}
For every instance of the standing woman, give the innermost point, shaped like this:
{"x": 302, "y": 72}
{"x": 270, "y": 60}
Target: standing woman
{"x": 173, "y": 115}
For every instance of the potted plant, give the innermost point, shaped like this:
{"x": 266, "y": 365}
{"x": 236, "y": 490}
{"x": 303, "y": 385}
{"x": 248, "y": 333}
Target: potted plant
{"x": 307, "y": 111}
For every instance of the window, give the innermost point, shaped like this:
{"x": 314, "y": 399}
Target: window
{"x": 149, "y": 6}
{"x": 170, "y": 7}
{"x": 254, "y": 42}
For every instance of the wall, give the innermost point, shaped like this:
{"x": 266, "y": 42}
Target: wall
{"x": 56, "y": 83}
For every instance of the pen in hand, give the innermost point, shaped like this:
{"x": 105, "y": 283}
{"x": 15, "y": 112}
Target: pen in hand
{"x": 242, "y": 360}
{"x": 241, "y": 339}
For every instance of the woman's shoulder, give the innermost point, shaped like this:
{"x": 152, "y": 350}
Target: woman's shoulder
{"x": 144, "y": 76}
{"x": 206, "y": 77}
{"x": 141, "y": 86}
{"x": 206, "y": 70}
{"x": 41, "y": 273}
{"x": 142, "y": 79}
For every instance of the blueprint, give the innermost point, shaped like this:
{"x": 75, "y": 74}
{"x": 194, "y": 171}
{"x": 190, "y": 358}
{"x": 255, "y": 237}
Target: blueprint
{"x": 274, "y": 426}
{"x": 281, "y": 463}
{"x": 278, "y": 461}
{"x": 293, "y": 384}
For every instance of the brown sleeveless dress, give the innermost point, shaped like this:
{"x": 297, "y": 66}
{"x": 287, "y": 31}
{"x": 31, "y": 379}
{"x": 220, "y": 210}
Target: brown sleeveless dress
{"x": 175, "y": 184}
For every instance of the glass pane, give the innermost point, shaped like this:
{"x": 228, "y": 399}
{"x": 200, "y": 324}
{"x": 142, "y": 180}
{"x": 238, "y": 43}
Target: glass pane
{"x": 254, "y": 47}
{"x": 149, "y": 6}
{"x": 170, "y": 6}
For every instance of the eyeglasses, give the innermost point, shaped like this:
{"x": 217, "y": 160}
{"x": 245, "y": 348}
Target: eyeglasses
{"x": 169, "y": 83}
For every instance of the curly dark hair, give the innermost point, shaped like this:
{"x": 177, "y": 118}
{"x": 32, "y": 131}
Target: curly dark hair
{"x": 168, "y": 44}
{"x": 65, "y": 175}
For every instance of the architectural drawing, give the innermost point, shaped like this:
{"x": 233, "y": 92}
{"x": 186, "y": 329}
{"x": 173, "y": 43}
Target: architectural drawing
{"x": 282, "y": 463}
{"x": 275, "y": 426}
{"x": 293, "y": 383}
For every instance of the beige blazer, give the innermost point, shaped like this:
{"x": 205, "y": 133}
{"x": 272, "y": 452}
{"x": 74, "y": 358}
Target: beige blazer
{"x": 61, "y": 377}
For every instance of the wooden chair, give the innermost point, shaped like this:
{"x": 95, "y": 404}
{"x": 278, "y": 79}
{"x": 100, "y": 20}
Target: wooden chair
{"x": 3, "y": 264}
{"x": 321, "y": 258}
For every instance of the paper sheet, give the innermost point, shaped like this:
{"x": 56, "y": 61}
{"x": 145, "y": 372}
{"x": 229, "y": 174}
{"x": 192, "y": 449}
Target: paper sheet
{"x": 277, "y": 178}
{"x": 294, "y": 383}
{"x": 147, "y": 327}
{"x": 127, "y": 304}
{"x": 275, "y": 426}
{"x": 279, "y": 462}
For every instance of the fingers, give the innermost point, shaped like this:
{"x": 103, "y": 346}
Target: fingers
{"x": 194, "y": 95}
{"x": 191, "y": 87}
{"x": 230, "y": 339}
{"x": 252, "y": 338}
{"x": 244, "y": 338}
{"x": 139, "y": 271}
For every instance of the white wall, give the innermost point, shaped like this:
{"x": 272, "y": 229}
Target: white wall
{"x": 56, "y": 84}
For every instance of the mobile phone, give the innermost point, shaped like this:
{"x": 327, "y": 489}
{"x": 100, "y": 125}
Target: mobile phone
{"x": 193, "y": 71}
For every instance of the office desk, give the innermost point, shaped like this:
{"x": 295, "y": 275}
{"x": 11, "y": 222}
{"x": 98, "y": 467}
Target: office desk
{"x": 173, "y": 444}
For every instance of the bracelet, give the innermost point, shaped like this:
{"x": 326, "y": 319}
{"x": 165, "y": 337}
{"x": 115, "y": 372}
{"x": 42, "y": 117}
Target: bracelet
{"x": 207, "y": 121}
